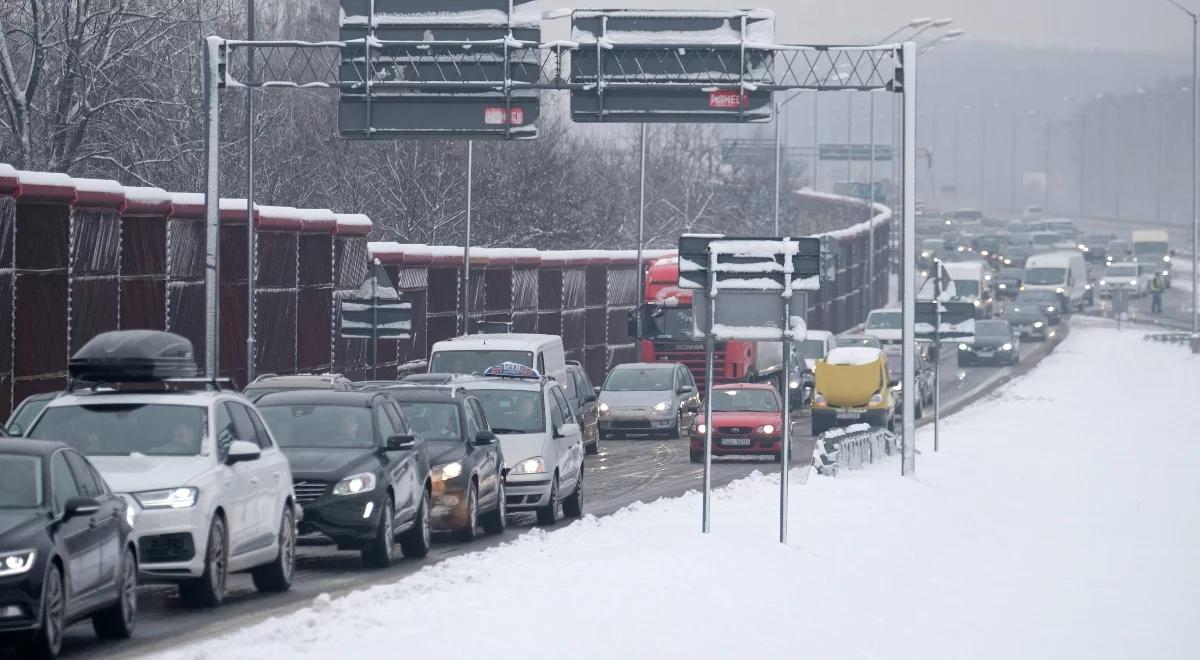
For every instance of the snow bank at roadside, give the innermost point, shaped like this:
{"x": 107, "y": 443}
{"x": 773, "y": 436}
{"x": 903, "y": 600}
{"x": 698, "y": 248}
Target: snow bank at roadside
{"x": 1060, "y": 519}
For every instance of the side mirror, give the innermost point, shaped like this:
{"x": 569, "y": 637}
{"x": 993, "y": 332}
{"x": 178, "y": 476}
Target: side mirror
{"x": 597, "y": 388}
{"x": 566, "y": 430}
{"x": 685, "y": 389}
{"x": 590, "y": 397}
{"x": 485, "y": 438}
{"x": 80, "y": 506}
{"x": 400, "y": 443}
{"x": 241, "y": 451}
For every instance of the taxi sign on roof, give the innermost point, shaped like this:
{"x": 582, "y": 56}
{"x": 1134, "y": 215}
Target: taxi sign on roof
{"x": 512, "y": 370}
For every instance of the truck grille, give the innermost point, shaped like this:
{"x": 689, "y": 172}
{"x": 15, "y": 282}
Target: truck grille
{"x": 309, "y": 491}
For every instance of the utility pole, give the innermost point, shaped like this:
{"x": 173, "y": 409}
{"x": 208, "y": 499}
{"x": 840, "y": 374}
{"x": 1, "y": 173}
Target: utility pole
{"x": 1012, "y": 202}
{"x": 251, "y": 230}
{"x": 466, "y": 271}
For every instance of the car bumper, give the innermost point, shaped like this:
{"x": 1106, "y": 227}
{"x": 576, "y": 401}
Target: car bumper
{"x": 617, "y": 423}
{"x": 343, "y": 518}
{"x": 20, "y": 605}
{"x": 757, "y": 446}
{"x": 526, "y": 492}
{"x": 834, "y": 417}
{"x": 996, "y": 357}
{"x": 171, "y": 542}
{"x": 1031, "y": 332}
{"x": 449, "y": 510}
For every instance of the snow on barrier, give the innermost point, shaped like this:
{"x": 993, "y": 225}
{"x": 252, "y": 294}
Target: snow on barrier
{"x": 852, "y": 448}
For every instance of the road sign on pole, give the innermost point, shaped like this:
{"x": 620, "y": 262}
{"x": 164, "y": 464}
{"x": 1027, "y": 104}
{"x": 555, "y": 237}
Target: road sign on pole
{"x": 376, "y": 312}
{"x": 439, "y": 69}
{"x": 640, "y": 66}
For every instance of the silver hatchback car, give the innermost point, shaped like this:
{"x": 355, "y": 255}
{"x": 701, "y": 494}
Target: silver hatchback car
{"x": 648, "y": 399}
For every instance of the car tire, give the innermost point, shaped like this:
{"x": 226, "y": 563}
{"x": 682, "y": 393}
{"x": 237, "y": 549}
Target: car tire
{"x": 117, "y": 620}
{"x": 496, "y": 520}
{"x": 548, "y": 514}
{"x": 208, "y": 590}
{"x": 382, "y": 550}
{"x": 471, "y": 531}
{"x": 573, "y": 505}
{"x": 417, "y": 541}
{"x": 276, "y": 577}
{"x": 46, "y": 642}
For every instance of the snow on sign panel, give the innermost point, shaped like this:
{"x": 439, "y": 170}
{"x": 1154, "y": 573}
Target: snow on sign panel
{"x": 638, "y": 65}
{"x": 439, "y": 69}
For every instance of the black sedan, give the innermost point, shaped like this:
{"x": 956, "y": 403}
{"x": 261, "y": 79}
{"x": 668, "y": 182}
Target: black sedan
{"x": 1047, "y": 302}
{"x": 65, "y": 549}
{"x": 468, "y": 478}
{"x": 1028, "y": 321}
{"x": 361, "y": 475}
{"x": 1007, "y": 282}
{"x": 995, "y": 343}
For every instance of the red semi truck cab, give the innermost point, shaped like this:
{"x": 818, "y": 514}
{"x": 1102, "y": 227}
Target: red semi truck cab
{"x": 671, "y": 310}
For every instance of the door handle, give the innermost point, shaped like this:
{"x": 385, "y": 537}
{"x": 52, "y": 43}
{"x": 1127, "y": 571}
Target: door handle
{"x": 254, "y": 480}
{"x": 92, "y": 523}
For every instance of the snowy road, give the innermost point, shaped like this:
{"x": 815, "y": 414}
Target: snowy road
{"x": 625, "y": 472}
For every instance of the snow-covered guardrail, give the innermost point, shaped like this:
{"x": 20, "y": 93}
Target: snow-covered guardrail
{"x": 852, "y": 447}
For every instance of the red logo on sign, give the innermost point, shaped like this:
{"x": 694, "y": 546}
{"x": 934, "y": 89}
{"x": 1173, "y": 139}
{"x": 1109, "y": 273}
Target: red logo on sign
{"x": 502, "y": 116}
{"x": 728, "y": 100}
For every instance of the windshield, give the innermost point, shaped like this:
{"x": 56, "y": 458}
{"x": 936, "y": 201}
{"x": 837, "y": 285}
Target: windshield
{"x": 640, "y": 379}
{"x": 324, "y": 426}
{"x": 1149, "y": 248}
{"x": 672, "y": 323}
{"x": 436, "y": 422}
{"x": 991, "y": 329}
{"x": 1045, "y": 239}
{"x": 810, "y": 349}
{"x": 966, "y": 288}
{"x": 1121, "y": 271}
{"x": 1045, "y": 275}
{"x": 869, "y": 342}
{"x": 25, "y": 414}
{"x": 883, "y": 321}
{"x": 122, "y": 429}
{"x": 744, "y": 401}
{"x": 20, "y": 481}
{"x": 512, "y": 411}
{"x": 475, "y": 361}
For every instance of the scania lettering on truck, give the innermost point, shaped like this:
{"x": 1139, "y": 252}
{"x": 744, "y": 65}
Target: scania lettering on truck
{"x": 668, "y": 326}
{"x": 1064, "y": 273}
{"x": 1150, "y": 245}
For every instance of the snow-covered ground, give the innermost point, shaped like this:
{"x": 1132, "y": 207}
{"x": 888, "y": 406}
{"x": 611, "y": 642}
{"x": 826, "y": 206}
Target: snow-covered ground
{"x": 1060, "y": 520}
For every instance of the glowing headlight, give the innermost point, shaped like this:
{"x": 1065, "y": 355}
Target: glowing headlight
{"x": 450, "y": 470}
{"x": 767, "y": 429}
{"x": 1103, "y": 282}
{"x": 1038, "y": 324}
{"x": 168, "y": 498}
{"x": 701, "y": 428}
{"x": 1132, "y": 282}
{"x": 353, "y": 485}
{"x": 1003, "y": 285}
{"x": 1060, "y": 290}
{"x": 1006, "y": 347}
{"x": 16, "y": 563}
{"x": 1083, "y": 248}
{"x": 1167, "y": 258}
{"x": 130, "y": 515}
{"x": 662, "y": 405}
{"x": 1008, "y": 262}
{"x": 963, "y": 347}
{"x": 1166, "y": 272}
{"x": 983, "y": 253}
{"x": 977, "y": 303}
{"x": 925, "y": 254}
{"x": 604, "y": 407}
{"x": 793, "y": 384}
{"x": 533, "y": 465}
{"x": 1050, "y": 308}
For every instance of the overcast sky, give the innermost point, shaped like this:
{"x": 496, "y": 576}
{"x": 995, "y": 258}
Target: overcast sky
{"x": 1145, "y": 25}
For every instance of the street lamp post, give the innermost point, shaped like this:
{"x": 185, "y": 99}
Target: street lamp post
{"x": 1195, "y": 172}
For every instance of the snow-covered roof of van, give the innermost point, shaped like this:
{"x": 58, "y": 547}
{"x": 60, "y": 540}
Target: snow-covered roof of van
{"x": 853, "y": 355}
{"x": 515, "y": 340}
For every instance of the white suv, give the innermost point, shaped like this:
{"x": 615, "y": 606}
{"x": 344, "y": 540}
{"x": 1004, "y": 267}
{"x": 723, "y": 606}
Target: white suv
{"x": 212, "y": 491}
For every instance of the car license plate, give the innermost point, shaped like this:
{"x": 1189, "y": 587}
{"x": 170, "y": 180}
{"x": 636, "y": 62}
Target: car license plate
{"x": 848, "y": 415}
{"x": 984, "y": 353}
{"x": 735, "y": 442}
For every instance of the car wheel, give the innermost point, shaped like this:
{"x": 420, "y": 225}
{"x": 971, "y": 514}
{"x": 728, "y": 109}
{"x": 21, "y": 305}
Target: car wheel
{"x": 496, "y": 520}
{"x": 573, "y": 505}
{"x": 471, "y": 531}
{"x": 47, "y": 642}
{"x": 208, "y": 590}
{"x": 117, "y": 620}
{"x": 417, "y": 541}
{"x": 548, "y": 514}
{"x": 276, "y": 576}
{"x": 382, "y": 550}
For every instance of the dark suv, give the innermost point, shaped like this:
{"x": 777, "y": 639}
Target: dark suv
{"x": 359, "y": 472}
{"x": 269, "y": 383}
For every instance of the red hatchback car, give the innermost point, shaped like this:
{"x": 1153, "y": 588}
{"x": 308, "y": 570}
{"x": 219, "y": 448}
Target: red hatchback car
{"x": 748, "y": 420}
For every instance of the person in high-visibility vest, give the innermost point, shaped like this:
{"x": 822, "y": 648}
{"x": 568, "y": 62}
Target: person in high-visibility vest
{"x": 1156, "y": 290}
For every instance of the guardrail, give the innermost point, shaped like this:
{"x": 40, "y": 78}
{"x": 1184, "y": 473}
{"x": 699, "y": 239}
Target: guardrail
{"x": 852, "y": 447}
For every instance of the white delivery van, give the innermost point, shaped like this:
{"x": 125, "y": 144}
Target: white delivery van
{"x": 972, "y": 284}
{"x": 1064, "y": 273}
{"x": 473, "y": 354}
{"x": 1151, "y": 246}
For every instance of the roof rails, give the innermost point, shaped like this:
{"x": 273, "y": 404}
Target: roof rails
{"x": 166, "y": 384}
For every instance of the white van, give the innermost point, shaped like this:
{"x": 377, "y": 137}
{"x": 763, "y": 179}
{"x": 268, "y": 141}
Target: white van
{"x": 1064, "y": 273}
{"x": 1151, "y": 246}
{"x": 473, "y": 354}
{"x": 972, "y": 284}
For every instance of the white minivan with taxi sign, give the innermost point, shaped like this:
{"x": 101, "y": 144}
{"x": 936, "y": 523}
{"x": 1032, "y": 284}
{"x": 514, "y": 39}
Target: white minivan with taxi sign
{"x": 474, "y": 354}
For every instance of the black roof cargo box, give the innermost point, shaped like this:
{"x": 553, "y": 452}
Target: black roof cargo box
{"x": 131, "y": 356}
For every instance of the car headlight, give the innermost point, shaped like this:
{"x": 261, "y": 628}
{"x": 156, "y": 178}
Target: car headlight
{"x": 1003, "y": 286}
{"x": 16, "y": 563}
{"x": 449, "y": 470}
{"x": 1006, "y": 347}
{"x": 1103, "y": 282}
{"x": 925, "y": 254}
{"x": 1060, "y": 290}
{"x": 701, "y": 428}
{"x": 168, "y": 498}
{"x": 876, "y": 399}
{"x": 355, "y": 484}
{"x": 1167, "y": 258}
{"x": 604, "y": 407}
{"x": 1038, "y": 324}
{"x": 1008, "y": 262}
{"x": 1132, "y": 282}
{"x": 1166, "y": 272}
{"x": 983, "y": 253}
{"x": 1083, "y": 248}
{"x": 662, "y": 405}
{"x": 793, "y": 384}
{"x": 130, "y": 515}
{"x": 963, "y": 347}
{"x": 766, "y": 429}
{"x": 977, "y": 302}
{"x": 1050, "y": 308}
{"x": 533, "y": 465}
